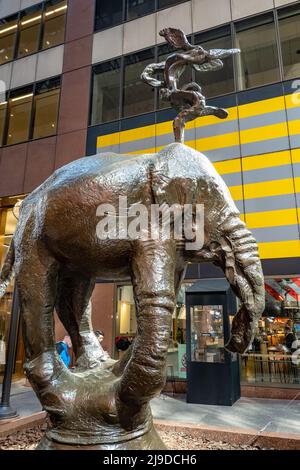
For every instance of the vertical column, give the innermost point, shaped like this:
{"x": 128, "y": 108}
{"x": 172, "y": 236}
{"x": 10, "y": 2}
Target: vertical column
{"x": 76, "y": 79}
{"x": 103, "y": 313}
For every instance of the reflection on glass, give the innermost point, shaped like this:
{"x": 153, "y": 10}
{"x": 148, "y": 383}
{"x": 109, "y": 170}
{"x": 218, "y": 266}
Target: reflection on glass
{"x": 272, "y": 356}
{"x": 258, "y": 62}
{"x": 8, "y": 223}
{"x": 106, "y": 92}
{"x": 19, "y": 114}
{"x": 289, "y": 30}
{"x": 8, "y": 33}
{"x": 138, "y": 97}
{"x": 207, "y": 333}
{"x": 54, "y": 26}
{"x": 136, "y": 8}
{"x": 3, "y": 108}
{"x": 219, "y": 82}
{"x": 46, "y": 102}
{"x": 108, "y": 13}
{"x": 29, "y": 31}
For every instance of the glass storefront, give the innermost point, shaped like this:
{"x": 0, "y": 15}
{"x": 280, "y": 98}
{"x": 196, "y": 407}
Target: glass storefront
{"x": 8, "y": 222}
{"x": 126, "y": 329}
{"x": 275, "y": 352}
{"x": 273, "y": 357}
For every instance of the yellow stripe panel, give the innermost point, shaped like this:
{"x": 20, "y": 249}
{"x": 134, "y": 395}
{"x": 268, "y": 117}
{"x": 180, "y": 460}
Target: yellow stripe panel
{"x": 264, "y": 133}
{"x": 228, "y": 166}
{"x": 137, "y": 134}
{"x": 272, "y": 250}
{"x": 210, "y": 120}
{"x": 269, "y": 188}
{"x": 218, "y": 142}
{"x": 109, "y": 139}
{"x": 236, "y": 192}
{"x": 294, "y": 127}
{"x": 262, "y": 107}
{"x": 267, "y": 160}
{"x": 292, "y": 100}
{"x": 272, "y": 218}
{"x": 297, "y": 184}
{"x": 167, "y": 127}
{"x": 296, "y": 156}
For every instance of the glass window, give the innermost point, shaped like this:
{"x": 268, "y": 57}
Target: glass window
{"x": 136, "y": 8}
{"x": 273, "y": 356}
{"x": 167, "y": 3}
{"x": 138, "y": 96}
{"x": 46, "y": 103}
{"x": 207, "y": 333}
{"x": 258, "y": 62}
{"x": 289, "y": 30}
{"x": 19, "y": 115}
{"x": 221, "y": 81}
{"x": 106, "y": 92}
{"x": 55, "y": 20}
{"x": 29, "y": 31}
{"x": 8, "y": 33}
{"x": 108, "y": 13}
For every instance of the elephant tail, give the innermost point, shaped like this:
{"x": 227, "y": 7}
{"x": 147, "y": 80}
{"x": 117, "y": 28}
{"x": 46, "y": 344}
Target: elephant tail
{"x": 7, "y": 271}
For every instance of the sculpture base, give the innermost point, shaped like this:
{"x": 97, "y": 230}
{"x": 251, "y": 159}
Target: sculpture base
{"x": 149, "y": 441}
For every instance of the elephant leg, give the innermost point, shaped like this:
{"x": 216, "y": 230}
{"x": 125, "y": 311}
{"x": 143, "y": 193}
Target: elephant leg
{"x": 119, "y": 367}
{"x": 73, "y": 308}
{"x": 36, "y": 280}
{"x": 153, "y": 279}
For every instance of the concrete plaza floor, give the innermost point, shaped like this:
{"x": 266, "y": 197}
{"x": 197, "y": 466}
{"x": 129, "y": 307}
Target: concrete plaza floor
{"x": 256, "y": 414}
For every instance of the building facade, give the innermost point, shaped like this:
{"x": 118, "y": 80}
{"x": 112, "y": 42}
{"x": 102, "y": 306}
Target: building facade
{"x": 70, "y": 87}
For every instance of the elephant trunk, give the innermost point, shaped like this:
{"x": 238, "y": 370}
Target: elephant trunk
{"x": 242, "y": 267}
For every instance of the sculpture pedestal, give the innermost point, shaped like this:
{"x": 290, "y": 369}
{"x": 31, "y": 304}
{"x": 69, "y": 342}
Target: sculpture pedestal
{"x": 149, "y": 441}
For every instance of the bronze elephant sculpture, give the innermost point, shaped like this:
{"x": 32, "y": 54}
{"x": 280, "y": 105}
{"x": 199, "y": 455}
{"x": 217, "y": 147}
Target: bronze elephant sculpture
{"x": 56, "y": 258}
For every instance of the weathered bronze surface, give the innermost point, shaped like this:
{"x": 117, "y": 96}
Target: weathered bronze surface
{"x": 189, "y": 100}
{"x": 56, "y": 257}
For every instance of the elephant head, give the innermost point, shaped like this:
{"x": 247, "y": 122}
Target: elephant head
{"x": 226, "y": 240}
{"x": 235, "y": 250}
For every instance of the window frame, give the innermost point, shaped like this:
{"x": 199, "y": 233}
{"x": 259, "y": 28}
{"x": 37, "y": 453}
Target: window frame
{"x": 124, "y": 14}
{"x": 34, "y": 86}
{"x": 232, "y": 27}
{"x": 120, "y": 59}
{"x": 40, "y": 48}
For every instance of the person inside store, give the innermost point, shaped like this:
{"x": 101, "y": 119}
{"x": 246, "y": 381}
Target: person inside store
{"x": 290, "y": 338}
{"x": 100, "y": 336}
{"x": 122, "y": 343}
{"x": 62, "y": 348}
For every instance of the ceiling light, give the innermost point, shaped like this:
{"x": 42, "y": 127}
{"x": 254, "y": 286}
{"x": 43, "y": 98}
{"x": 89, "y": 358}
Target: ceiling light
{"x": 57, "y": 10}
{"x": 22, "y": 97}
{"x": 8, "y": 29}
{"x": 31, "y": 20}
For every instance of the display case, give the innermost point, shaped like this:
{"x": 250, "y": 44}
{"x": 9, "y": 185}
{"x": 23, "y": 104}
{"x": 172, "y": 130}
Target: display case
{"x": 212, "y": 372}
